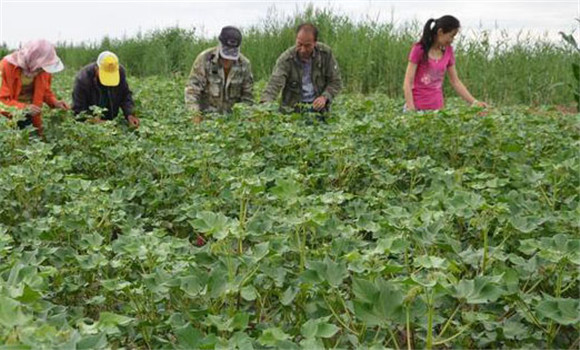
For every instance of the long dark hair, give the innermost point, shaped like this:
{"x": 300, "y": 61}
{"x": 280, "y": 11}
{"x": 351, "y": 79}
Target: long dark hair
{"x": 446, "y": 23}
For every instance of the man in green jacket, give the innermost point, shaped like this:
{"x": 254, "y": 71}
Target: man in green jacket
{"x": 307, "y": 74}
{"x": 220, "y": 77}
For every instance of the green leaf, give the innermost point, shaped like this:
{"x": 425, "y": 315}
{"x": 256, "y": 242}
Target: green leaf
{"x": 289, "y": 295}
{"x": 188, "y": 337}
{"x": 214, "y": 224}
{"x": 90, "y": 342}
{"x": 312, "y": 344}
{"x": 318, "y": 328}
{"x": 287, "y": 190}
{"x": 478, "y": 291}
{"x": 365, "y": 291}
{"x": 431, "y": 262}
{"x": 390, "y": 303}
{"x": 569, "y": 38}
{"x": 326, "y": 330}
{"x": 29, "y": 295}
{"x": 271, "y": 336}
{"x": 514, "y": 330}
{"x": 192, "y": 285}
{"x": 109, "y": 321}
{"x": 367, "y": 313}
{"x": 240, "y": 321}
{"x": 564, "y": 311}
{"x": 217, "y": 283}
{"x": 241, "y": 341}
{"x": 309, "y": 329}
{"x": 11, "y": 313}
{"x": 334, "y": 273}
{"x": 525, "y": 224}
{"x": 249, "y": 293}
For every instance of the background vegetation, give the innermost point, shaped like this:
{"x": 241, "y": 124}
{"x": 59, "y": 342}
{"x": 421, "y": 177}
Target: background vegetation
{"x": 372, "y": 56}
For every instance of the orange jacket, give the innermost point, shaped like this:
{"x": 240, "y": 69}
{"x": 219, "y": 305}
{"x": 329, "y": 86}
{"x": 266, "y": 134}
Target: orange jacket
{"x": 12, "y": 85}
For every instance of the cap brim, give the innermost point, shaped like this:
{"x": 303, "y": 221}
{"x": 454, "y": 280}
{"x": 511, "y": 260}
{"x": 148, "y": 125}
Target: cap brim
{"x": 109, "y": 78}
{"x": 54, "y": 68}
{"x": 229, "y": 53}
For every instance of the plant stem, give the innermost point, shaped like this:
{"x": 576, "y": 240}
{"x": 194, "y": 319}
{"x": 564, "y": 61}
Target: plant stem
{"x": 452, "y": 337}
{"x": 338, "y": 318}
{"x": 430, "y": 322}
{"x": 409, "y": 347}
{"x": 393, "y": 338}
{"x": 485, "y": 250}
{"x": 449, "y": 321}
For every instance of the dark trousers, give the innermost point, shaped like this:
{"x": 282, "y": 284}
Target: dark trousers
{"x": 24, "y": 123}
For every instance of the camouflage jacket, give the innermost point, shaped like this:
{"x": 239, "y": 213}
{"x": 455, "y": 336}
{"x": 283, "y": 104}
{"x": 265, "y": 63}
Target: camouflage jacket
{"x": 287, "y": 76}
{"x": 208, "y": 91}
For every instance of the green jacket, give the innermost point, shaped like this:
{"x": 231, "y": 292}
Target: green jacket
{"x": 208, "y": 91}
{"x": 287, "y": 76}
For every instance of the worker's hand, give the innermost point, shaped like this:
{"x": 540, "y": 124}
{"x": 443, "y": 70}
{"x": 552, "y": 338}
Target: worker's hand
{"x": 196, "y": 118}
{"x": 477, "y": 103}
{"x": 133, "y": 121}
{"x": 62, "y": 105}
{"x": 96, "y": 120}
{"x": 319, "y": 103}
{"x": 33, "y": 110}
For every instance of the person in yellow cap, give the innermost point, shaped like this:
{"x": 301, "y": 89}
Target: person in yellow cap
{"x": 104, "y": 84}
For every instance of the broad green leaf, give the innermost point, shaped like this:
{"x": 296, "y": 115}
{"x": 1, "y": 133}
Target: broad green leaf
{"x": 240, "y": 321}
{"x": 364, "y": 290}
{"x": 334, "y": 273}
{"x": 249, "y": 293}
{"x": 192, "y": 285}
{"x": 90, "y": 342}
{"x": 188, "y": 337}
{"x": 271, "y": 336}
{"x": 214, "y": 224}
{"x": 11, "y": 313}
{"x": 367, "y": 314}
{"x": 289, "y": 295}
{"x": 287, "y": 190}
{"x": 565, "y": 311}
{"x": 478, "y": 291}
{"x": 309, "y": 329}
{"x": 515, "y": 330}
{"x": 241, "y": 341}
{"x": 326, "y": 330}
{"x": 431, "y": 262}
{"x": 109, "y": 321}
{"x": 312, "y": 344}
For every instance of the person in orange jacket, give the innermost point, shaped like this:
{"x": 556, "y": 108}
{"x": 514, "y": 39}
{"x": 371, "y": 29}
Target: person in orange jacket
{"x": 26, "y": 81}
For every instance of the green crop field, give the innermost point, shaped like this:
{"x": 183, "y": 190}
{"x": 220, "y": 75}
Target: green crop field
{"x": 451, "y": 229}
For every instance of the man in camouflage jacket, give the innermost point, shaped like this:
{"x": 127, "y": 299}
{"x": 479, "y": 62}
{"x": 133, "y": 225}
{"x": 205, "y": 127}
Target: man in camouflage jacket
{"x": 306, "y": 73}
{"x": 220, "y": 77}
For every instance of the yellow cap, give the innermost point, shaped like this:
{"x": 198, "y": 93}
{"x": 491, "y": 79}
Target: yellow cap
{"x": 108, "y": 69}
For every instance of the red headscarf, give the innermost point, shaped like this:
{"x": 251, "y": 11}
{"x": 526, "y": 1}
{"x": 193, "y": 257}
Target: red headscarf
{"x": 33, "y": 55}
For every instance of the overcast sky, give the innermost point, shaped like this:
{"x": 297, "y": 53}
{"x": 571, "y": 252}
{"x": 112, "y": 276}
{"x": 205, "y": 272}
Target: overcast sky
{"x": 89, "y": 21}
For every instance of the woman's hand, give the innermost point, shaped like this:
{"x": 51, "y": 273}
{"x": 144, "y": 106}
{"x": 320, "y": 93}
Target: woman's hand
{"x": 62, "y": 105}
{"x": 133, "y": 121}
{"x": 33, "y": 110}
{"x": 477, "y": 103}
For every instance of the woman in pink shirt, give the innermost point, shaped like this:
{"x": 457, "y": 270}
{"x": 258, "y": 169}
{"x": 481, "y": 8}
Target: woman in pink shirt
{"x": 429, "y": 59}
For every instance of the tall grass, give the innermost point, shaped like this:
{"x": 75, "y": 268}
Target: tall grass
{"x": 372, "y": 56}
